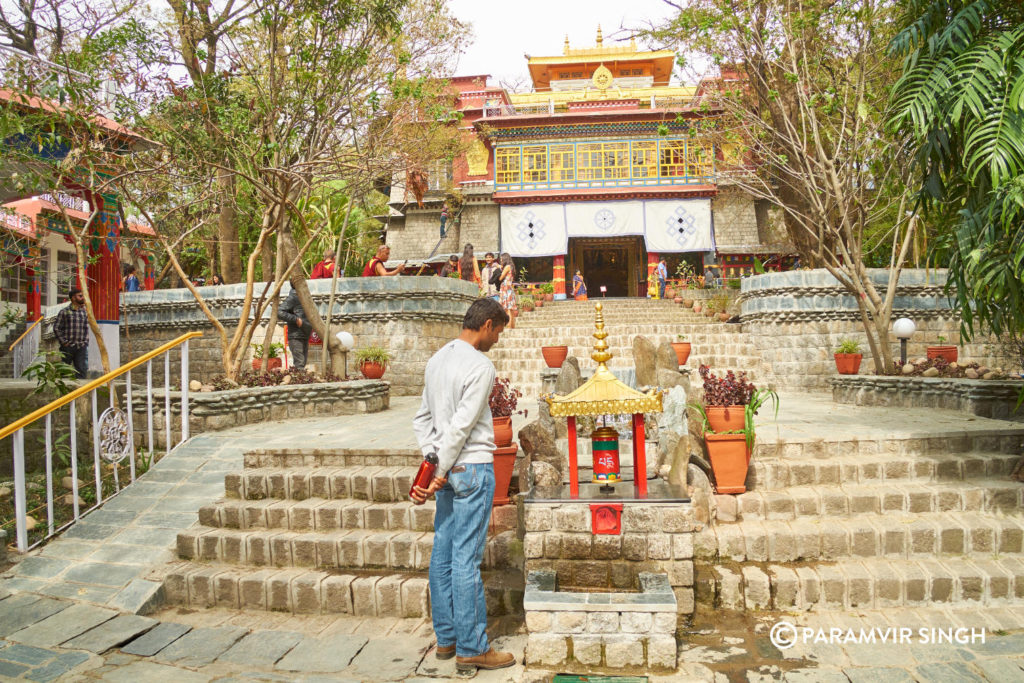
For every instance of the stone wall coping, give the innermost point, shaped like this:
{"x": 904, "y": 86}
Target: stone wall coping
{"x": 541, "y": 594}
{"x": 820, "y": 277}
{"x": 971, "y": 388}
{"x": 367, "y": 387}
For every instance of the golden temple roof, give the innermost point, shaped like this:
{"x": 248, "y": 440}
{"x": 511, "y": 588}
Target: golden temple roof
{"x": 603, "y": 393}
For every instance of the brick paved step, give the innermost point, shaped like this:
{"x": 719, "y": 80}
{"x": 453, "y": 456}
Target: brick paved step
{"x": 343, "y": 549}
{"x": 372, "y": 483}
{"x": 318, "y": 514}
{"x": 865, "y": 584}
{"x": 821, "y": 451}
{"x": 777, "y": 474}
{"x": 892, "y": 535}
{"x": 341, "y": 457}
{"x": 912, "y": 497}
{"x": 311, "y": 591}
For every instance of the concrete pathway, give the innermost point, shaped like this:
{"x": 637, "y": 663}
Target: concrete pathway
{"x": 69, "y": 611}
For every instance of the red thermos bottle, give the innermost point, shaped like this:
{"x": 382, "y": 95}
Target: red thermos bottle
{"x": 425, "y": 475}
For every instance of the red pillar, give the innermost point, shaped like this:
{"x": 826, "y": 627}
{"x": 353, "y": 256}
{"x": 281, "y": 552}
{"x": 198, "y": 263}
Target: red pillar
{"x": 104, "y": 269}
{"x": 652, "y": 265}
{"x": 639, "y": 456}
{"x": 574, "y": 474}
{"x": 559, "y": 277}
{"x": 34, "y": 295}
{"x": 149, "y": 272}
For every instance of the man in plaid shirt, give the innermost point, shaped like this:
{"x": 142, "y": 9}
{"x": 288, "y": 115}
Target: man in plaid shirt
{"x": 72, "y": 332}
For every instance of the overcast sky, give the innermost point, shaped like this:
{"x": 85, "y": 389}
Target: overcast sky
{"x": 504, "y": 30}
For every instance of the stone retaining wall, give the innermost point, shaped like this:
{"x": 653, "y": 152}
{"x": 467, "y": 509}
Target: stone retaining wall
{"x": 797, "y": 318}
{"x": 987, "y": 398}
{"x": 214, "y": 410}
{"x": 580, "y": 631}
{"x": 411, "y": 317}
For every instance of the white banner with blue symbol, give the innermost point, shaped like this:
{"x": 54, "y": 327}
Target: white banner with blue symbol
{"x": 672, "y": 225}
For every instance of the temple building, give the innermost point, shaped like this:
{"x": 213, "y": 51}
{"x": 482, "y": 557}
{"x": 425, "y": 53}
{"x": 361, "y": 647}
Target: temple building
{"x": 604, "y": 167}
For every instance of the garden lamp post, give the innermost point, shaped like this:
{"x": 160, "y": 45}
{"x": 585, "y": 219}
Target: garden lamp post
{"x": 903, "y": 329}
{"x": 347, "y": 342}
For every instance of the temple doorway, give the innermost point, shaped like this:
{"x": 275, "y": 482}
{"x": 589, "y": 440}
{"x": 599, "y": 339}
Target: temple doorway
{"x": 616, "y": 263}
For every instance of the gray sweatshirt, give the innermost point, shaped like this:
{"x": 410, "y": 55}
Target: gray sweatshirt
{"x": 454, "y": 420}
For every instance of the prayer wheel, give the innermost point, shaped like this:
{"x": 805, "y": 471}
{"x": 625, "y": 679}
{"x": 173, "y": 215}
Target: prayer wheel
{"x": 605, "y": 444}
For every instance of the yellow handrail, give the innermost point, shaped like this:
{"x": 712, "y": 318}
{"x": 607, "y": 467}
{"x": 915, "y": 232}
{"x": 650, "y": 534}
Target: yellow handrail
{"x": 85, "y": 389}
{"x": 38, "y": 320}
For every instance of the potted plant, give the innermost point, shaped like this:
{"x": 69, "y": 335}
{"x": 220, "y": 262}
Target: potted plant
{"x": 372, "y": 361}
{"x": 526, "y": 303}
{"x": 554, "y": 356}
{"x": 549, "y": 291}
{"x": 687, "y": 303}
{"x": 273, "y": 359}
{"x": 721, "y": 304}
{"x": 698, "y": 306}
{"x": 941, "y": 351}
{"x": 730, "y": 445}
{"x": 682, "y": 349}
{"x": 848, "y": 357}
{"x": 503, "y": 401}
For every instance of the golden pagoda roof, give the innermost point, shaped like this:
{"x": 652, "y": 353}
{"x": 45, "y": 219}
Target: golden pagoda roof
{"x": 603, "y": 393}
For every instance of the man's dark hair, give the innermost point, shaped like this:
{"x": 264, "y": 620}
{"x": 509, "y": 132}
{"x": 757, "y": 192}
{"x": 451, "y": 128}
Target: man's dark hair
{"x": 73, "y": 291}
{"x": 483, "y": 310}
{"x": 490, "y": 253}
{"x": 129, "y": 269}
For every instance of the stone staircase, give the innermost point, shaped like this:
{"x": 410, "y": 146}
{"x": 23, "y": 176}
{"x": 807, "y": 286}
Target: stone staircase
{"x": 327, "y": 533}
{"x": 723, "y": 346}
{"x": 875, "y": 523}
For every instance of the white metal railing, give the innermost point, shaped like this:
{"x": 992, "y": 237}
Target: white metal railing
{"x": 67, "y": 201}
{"x": 26, "y": 347}
{"x": 15, "y": 221}
{"x": 113, "y": 438}
{"x": 39, "y": 76}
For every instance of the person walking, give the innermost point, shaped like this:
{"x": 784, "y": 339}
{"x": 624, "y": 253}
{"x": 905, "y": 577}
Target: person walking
{"x": 325, "y": 268}
{"x": 72, "y": 332}
{"x": 662, "y": 271}
{"x": 454, "y": 423}
{"x": 376, "y": 264}
{"x": 579, "y": 287}
{"x": 292, "y": 312}
{"x": 491, "y": 271}
{"x": 507, "y": 292}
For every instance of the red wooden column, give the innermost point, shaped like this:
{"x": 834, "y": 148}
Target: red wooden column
{"x": 104, "y": 274}
{"x": 558, "y": 277}
{"x": 639, "y": 456}
{"x": 574, "y": 475}
{"x": 652, "y": 264}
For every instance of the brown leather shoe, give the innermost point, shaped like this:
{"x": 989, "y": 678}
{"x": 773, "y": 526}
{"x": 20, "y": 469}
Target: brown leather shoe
{"x": 446, "y": 652}
{"x": 488, "y": 660}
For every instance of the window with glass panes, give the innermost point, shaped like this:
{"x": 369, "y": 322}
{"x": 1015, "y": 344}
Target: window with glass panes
{"x": 535, "y": 164}
{"x": 506, "y": 165}
{"x": 66, "y": 275}
{"x": 12, "y": 279}
{"x": 563, "y": 164}
{"x": 645, "y": 159}
{"x": 673, "y": 159}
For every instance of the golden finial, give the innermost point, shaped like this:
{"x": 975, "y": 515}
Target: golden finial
{"x": 601, "y": 354}
{"x": 566, "y": 44}
{"x": 600, "y": 38}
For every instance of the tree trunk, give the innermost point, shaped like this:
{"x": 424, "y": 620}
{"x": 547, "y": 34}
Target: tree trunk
{"x": 230, "y": 260}
{"x": 268, "y": 261}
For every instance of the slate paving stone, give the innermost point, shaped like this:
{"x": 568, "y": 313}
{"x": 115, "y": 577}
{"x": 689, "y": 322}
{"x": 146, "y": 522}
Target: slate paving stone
{"x": 166, "y": 520}
{"x": 110, "y": 517}
{"x": 201, "y": 646}
{"x": 78, "y": 591}
{"x": 64, "y": 548}
{"x": 42, "y": 567}
{"x": 110, "y": 634}
{"x": 91, "y": 532}
{"x": 139, "y": 596}
{"x": 26, "y": 654}
{"x": 20, "y": 611}
{"x": 162, "y": 635}
{"x": 999, "y": 670}
{"x": 65, "y": 624}
{"x": 58, "y": 667}
{"x": 815, "y": 676}
{"x": 150, "y": 672}
{"x": 261, "y": 648}
{"x": 999, "y": 645}
{"x": 328, "y": 654}
{"x": 102, "y": 573}
{"x": 121, "y": 553}
{"x": 390, "y": 659}
{"x": 11, "y": 670}
{"x": 161, "y": 538}
{"x": 947, "y": 672}
{"x": 877, "y": 674}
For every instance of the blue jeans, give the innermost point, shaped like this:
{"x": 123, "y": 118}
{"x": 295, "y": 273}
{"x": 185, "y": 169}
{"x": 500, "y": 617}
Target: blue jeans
{"x": 457, "y": 604}
{"x": 661, "y": 288}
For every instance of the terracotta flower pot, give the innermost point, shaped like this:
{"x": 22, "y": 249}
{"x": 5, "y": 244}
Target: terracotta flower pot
{"x": 848, "y": 363}
{"x": 550, "y": 296}
{"x": 554, "y": 356}
{"x": 682, "y": 350}
{"x": 697, "y": 308}
{"x": 729, "y": 461}
{"x": 502, "y": 431}
{"x": 677, "y": 300}
{"x": 272, "y": 363}
{"x": 947, "y": 352}
{"x": 724, "y": 317}
{"x": 539, "y": 303}
{"x": 687, "y": 303}
{"x": 372, "y": 370}
{"x": 670, "y": 292}
{"x": 538, "y": 295}
{"x": 726, "y": 418}
{"x": 504, "y": 465}
{"x": 710, "y": 313}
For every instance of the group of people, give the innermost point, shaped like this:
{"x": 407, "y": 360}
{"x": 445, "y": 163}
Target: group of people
{"x": 496, "y": 279}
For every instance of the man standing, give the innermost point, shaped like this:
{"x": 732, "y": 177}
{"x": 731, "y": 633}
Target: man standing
{"x": 292, "y": 312}
{"x": 490, "y": 267}
{"x": 72, "y": 331}
{"x": 662, "y": 278}
{"x": 325, "y": 268}
{"x": 376, "y": 264}
{"x": 454, "y": 422}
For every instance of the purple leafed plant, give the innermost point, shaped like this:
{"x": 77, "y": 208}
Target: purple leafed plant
{"x": 730, "y": 390}
{"x": 505, "y": 398}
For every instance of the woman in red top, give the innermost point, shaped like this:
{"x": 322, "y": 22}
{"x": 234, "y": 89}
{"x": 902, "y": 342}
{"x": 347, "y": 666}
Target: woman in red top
{"x": 376, "y": 264}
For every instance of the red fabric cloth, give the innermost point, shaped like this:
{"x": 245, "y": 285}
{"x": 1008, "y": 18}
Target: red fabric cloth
{"x": 324, "y": 269}
{"x": 371, "y": 268}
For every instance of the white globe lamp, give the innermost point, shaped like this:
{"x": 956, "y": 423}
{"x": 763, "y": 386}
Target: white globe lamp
{"x": 904, "y": 329}
{"x": 347, "y": 340}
